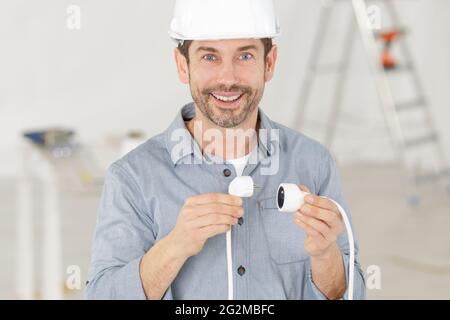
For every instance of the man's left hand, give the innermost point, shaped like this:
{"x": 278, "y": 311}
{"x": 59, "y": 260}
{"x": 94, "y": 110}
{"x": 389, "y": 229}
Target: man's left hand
{"x": 322, "y": 223}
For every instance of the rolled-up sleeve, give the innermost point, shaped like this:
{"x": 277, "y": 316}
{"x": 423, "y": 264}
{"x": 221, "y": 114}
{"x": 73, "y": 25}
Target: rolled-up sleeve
{"x": 124, "y": 232}
{"x": 330, "y": 186}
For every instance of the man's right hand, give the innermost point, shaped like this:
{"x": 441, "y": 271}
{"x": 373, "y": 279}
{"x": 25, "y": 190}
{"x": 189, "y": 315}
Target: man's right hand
{"x": 202, "y": 217}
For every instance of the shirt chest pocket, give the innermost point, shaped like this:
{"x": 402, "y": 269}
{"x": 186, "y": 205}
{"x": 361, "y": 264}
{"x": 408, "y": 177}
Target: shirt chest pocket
{"x": 284, "y": 238}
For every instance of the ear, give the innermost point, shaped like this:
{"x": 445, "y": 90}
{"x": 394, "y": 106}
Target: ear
{"x": 271, "y": 61}
{"x": 182, "y": 66}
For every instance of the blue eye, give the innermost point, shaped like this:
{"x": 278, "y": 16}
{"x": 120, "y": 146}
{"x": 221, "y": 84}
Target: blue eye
{"x": 246, "y": 56}
{"x": 209, "y": 57}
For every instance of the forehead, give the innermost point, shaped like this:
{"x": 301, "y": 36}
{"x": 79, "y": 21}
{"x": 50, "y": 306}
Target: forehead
{"x": 227, "y": 45}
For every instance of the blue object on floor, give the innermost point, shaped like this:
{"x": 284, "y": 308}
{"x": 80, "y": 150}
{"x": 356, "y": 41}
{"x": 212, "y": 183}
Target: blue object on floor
{"x": 37, "y": 137}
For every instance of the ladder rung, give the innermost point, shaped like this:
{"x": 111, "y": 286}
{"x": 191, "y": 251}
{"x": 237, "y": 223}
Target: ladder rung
{"x": 427, "y": 177}
{"x": 421, "y": 140}
{"x": 419, "y": 102}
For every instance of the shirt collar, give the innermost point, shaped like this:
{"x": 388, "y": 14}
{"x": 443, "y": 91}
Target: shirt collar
{"x": 180, "y": 143}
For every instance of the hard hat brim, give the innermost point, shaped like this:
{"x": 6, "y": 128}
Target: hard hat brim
{"x": 179, "y": 37}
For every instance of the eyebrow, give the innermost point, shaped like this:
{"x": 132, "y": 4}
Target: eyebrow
{"x": 210, "y": 49}
{"x": 249, "y": 47}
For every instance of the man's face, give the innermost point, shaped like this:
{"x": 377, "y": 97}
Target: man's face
{"x": 227, "y": 78}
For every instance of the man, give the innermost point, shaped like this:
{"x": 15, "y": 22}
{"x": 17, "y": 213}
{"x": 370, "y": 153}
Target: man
{"x": 165, "y": 209}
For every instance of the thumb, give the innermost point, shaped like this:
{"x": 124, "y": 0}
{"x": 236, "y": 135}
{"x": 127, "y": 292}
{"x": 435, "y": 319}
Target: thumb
{"x": 304, "y": 188}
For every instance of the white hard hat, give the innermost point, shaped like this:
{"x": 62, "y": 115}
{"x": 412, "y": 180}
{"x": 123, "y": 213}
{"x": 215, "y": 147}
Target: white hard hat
{"x": 223, "y": 19}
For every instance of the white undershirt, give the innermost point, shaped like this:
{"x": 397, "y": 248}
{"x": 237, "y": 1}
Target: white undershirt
{"x": 240, "y": 163}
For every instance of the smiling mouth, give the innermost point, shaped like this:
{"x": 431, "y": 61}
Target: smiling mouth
{"x": 227, "y": 101}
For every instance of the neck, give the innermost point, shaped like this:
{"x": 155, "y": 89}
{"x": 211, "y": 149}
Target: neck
{"x": 226, "y": 143}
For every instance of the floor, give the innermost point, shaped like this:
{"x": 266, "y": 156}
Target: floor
{"x": 409, "y": 246}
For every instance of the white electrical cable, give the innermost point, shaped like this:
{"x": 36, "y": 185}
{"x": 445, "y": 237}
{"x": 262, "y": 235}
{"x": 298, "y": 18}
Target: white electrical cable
{"x": 351, "y": 242}
{"x": 229, "y": 266}
{"x": 293, "y": 199}
{"x": 241, "y": 187}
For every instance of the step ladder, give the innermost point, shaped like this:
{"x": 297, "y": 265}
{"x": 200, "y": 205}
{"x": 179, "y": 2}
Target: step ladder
{"x": 413, "y": 150}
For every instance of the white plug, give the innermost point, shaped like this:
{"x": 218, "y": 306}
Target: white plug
{"x": 241, "y": 187}
{"x": 289, "y": 197}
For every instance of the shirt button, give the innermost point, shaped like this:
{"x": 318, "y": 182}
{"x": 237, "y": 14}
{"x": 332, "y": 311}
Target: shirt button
{"x": 227, "y": 172}
{"x": 241, "y": 271}
{"x": 240, "y": 221}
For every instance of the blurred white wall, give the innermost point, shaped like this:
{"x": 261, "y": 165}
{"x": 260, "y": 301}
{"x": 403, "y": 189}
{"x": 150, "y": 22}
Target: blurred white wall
{"x": 117, "y": 72}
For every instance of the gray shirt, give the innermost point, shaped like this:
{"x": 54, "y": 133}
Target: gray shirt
{"x": 145, "y": 190}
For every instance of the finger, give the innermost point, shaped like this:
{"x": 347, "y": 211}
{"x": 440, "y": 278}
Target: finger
{"x": 316, "y": 224}
{"x": 329, "y": 217}
{"x": 211, "y": 231}
{"x": 214, "y": 219}
{"x": 309, "y": 230}
{"x": 214, "y": 198}
{"x": 217, "y": 208}
{"x": 304, "y": 188}
{"x": 321, "y": 202}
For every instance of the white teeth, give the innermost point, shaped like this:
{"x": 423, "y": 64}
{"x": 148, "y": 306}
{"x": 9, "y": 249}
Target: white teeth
{"x": 226, "y": 99}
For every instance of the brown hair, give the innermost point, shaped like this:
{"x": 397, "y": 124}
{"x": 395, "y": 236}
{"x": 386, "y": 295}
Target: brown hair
{"x": 184, "y": 47}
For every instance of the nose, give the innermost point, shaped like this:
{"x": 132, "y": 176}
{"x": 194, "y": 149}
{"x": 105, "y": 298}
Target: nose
{"x": 228, "y": 74}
